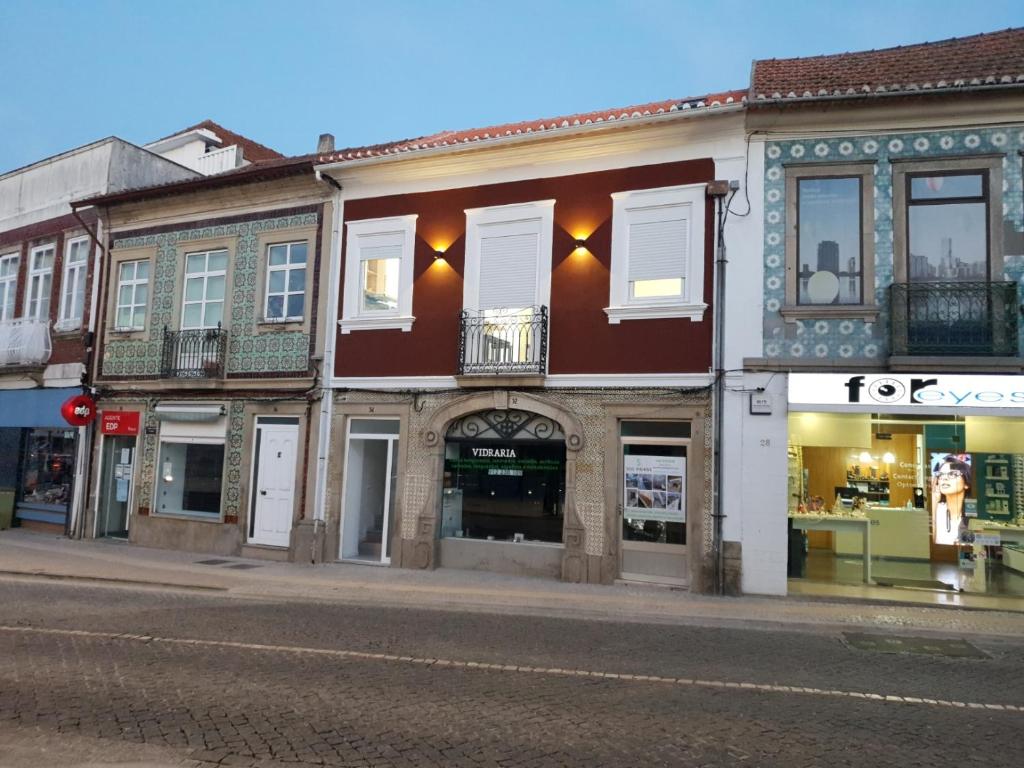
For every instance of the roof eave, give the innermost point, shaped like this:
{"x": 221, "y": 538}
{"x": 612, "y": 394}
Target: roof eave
{"x": 759, "y": 102}
{"x": 520, "y": 138}
{"x": 253, "y": 174}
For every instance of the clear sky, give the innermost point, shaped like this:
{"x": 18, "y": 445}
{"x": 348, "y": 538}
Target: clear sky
{"x": 284, "y": 71}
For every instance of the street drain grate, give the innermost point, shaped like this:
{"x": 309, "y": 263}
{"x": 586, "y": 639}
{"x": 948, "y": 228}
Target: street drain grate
{"x": 212, "y": 562}
{"x": 244, "y": 566}
{"x": 929, "y": 646}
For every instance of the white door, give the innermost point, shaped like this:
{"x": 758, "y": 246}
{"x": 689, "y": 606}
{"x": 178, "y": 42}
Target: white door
{"x": 274, "y": 482}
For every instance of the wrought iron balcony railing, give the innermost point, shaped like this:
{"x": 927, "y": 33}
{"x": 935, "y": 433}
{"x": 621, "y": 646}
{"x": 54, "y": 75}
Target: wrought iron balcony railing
{"x": 25, "y": 341}
{"x": 503, "y": 341}
{"x": 954, "y": 319}
{"x": 194, "y": 354}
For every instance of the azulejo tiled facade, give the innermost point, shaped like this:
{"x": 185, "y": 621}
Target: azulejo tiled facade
{"x": 232, "y": 502}
{"x": 248, "y": 351}
{"x": 850, "y": 339}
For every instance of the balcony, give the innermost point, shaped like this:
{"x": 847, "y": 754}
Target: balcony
{"x": 24, "y": 342}
{"x": 954, "y": 319}
{"x": 194, "y": 354}
{"x": 504, "y": 342}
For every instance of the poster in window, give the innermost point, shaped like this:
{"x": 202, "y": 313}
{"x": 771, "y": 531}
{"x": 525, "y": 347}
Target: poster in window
{"x": 952, "y": 488}
{"x": 655, "y": 488}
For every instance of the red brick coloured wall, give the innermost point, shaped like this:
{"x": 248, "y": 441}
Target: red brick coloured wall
{"x": 581, "y": 340}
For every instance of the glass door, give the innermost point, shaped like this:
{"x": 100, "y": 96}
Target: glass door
{"x": 368, "y": 497}
{"x": 653, "y": 489}
{"x": 118, "y": 459}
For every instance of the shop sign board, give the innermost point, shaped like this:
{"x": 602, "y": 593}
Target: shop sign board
{"x": 511, "y": 459}
{"x": 655, "y": 488}
{"x": 927, "y": 390}
{"x": 120, "y": 422}
{"x": 78, "y": 410}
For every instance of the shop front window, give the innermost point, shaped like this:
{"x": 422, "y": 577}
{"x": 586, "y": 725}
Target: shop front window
{"x": 935, "y": 502}
{"x": 190, "y": 478}
{"x": 504, "y": 478}
{"x": 48, "y": 469}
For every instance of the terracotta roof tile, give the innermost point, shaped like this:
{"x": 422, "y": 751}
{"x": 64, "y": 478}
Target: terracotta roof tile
{"x": 442, "y": 139}
{"x": 994, "y": 59}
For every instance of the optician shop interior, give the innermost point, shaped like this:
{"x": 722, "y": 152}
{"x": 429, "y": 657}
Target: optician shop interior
{"x": 937, "y": 500}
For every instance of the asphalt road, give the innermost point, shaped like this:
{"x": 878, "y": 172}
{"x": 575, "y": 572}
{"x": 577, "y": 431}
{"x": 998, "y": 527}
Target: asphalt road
{"x": 102, "y": 675}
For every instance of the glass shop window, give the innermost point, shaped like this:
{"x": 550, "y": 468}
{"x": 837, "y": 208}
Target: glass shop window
{"x": 48, "y": 469}
{"x": 190, "y": 479}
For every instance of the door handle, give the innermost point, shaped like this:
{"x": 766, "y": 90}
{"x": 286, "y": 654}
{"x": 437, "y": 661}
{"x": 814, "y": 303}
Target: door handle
{"x": 263, "y": 493}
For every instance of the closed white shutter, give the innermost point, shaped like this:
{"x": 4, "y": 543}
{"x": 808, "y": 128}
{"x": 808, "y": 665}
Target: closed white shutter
{"x": 380, "y": 252}
{"x": 659, "y": 248}
{"x": 508, "y": 271}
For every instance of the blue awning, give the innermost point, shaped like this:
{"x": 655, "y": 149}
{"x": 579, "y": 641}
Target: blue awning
{"x": 34, "y": 407}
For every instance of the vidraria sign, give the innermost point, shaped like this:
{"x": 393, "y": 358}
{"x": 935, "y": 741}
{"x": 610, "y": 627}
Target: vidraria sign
{"x": 927, "y": 389}
{"x": 78, "y": 410}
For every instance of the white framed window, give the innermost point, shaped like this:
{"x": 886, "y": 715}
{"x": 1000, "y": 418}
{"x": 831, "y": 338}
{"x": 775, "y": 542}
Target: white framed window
{"x": 72, "y": 295}
{"x": 132, "y": 295}
{"x": 508, "y": 256}
{"x": 286, "y": 282}
{"x": 657, "y": 254}
{"x": 378, "y": 274}
{"x": 205, "y": 279}
{"x": 40, "y": 282}
{"x": 8, "y": 284}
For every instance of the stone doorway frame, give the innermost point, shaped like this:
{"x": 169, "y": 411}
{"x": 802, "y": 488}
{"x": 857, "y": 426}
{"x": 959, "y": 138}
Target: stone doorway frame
{"x": 426, "y": 544}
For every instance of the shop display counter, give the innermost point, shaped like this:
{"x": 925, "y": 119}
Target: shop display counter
{"x": 840, "y": 524}
{"x": 896, "y": 532}
{"x": 1011, "y": 539}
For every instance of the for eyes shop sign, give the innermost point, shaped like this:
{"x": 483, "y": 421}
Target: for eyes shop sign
{"x": 893, "y": 389}
{"x": 655, "y": 488}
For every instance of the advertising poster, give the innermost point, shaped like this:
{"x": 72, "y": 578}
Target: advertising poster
{"x": 952, "y": 483}
{"x": 655, "y": 488}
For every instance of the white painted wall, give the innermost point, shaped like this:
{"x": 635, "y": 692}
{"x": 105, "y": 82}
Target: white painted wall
{"x": 44, "y": 190}
{"x": 753, "y": 446}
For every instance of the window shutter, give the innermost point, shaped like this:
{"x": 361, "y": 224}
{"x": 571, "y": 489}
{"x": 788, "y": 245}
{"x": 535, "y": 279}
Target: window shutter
{"x": 659, "y": 249}
{"x": 380, "y": 252}
{"x": 508, "y": 271}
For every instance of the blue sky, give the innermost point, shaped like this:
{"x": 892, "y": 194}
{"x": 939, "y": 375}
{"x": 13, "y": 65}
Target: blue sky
{"x": 283, "y": 72}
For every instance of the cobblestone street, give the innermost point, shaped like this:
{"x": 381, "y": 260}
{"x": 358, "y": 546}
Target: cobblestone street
{"x": 103, "y": 675}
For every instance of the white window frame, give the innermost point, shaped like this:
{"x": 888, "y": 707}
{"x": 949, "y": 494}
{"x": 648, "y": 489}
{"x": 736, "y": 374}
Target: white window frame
{"x": 206, "y": 275}
{"x": 134, "y": 283}
{"x": 73, "y": 278}
{"x": 35, "y": 281}
{"x": 9, "y": 286}
{"x": 537, "y": 216}
{"x": 691, "y": 304}
{"x": 286, "y": 268}
{"x": 354, "y": 318}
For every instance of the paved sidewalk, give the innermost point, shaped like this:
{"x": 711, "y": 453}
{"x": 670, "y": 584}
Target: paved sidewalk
{"x": 24, "y": 553}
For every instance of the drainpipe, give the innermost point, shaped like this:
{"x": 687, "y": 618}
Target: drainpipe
{"x": 717, "y": 190}
{"x": 327, "y": 369}
{"x": 83, "y": 479}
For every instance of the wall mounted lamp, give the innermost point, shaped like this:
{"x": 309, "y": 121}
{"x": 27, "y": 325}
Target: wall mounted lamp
{"x": 581, "y": 242}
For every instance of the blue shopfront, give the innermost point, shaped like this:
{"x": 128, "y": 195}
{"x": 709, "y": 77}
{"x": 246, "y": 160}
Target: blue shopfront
{"x": 38, "y": 458}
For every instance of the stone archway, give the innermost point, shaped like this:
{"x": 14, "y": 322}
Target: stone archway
{"x": 432, "y": 440}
